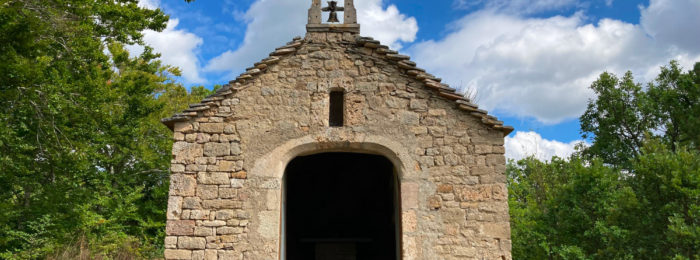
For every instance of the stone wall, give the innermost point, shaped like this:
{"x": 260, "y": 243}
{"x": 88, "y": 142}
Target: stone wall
{"x": 230, "y": 154}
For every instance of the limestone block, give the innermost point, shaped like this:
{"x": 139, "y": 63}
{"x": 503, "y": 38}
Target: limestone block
{"x": 498, "y": 229}
{"x": 196, "y": 168}
{"x": 170, "y": 242}
{"x": 213, "y": 223}
{"x": 500, "y": 191}
{"x": 229, "y": 129}
{"x": 409, "y": 195}
{"x": 408, "y": 220}
{"x": 419, "y": 130}
{"x": 218, "y": 178}
{"x": 228, "y": 193}
{"x": 178, "y": 254}
{"x": 217, "y": 149}
{"x": 198, "y": 214}
{"x": 235, "y": 148}
{"x": 452, "y": 159}
{"x": 185, "y": 152}
{"x": 437, "y": 112}
{"x": 474, "y": 193}
{"x": 210, "y": 254}
{"x": 183, "y": 127}
{"x": 367, "y": 86}
{"x": 191, "y": 242}
{"x": 227, "y": 166}
{"x": 228, "y": 230}
{"x": 225, "y": 214}
{"x": 272, "y": 199}
{"x": 482, "y": 148}
{"x": 179, "y": 227}
{"x": 182, "y": 185}
{"x": 330, "y": 64}
{"x": 395, "y": 102}
{"x": 270, "y": 184}
{"x": 191, "y": 203}
{"x": 492, "y": 178}
{"x": 216, "y": 128}
{"x": 239, "y": 175}
{"x": 177, "y": 168}
{"x": 237, "y": 183}
{"x": 444, "y": 188}
{"x": 268, "y": 222}
{"x": 198, "y": 255}
{"x": 207, "y": 192}
{"x": 203, "y": 231}
{"x": 203, "y": 138}
{"x": 410, "y": 249}
{"x": 495, "y": 159}
{"x": 418, "y": 104}
{"x": 437, "y": 131}
{"x": 452, "y": 216}
{"x": 481, "y": 170}
{"x": 221, "y": 204}
{"x": 174, "y": 207}
{"x": 229, "y": 254}
{"x": 435, "y": 202}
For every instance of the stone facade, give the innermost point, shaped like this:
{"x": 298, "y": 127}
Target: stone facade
{"x": 231, "y": 151}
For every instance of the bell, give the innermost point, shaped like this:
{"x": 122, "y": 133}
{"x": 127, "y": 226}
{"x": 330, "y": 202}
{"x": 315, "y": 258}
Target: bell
{"x": 333, "y": 17}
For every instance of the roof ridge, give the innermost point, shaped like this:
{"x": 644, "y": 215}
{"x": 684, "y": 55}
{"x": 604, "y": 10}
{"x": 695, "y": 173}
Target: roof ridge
{"x": 402, "y": 61}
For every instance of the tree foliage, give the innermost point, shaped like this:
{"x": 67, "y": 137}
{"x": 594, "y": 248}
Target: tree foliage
{"x": 624, "y": 113}
{"x": 634, "y": 193}
{"x": 82, "y": 152}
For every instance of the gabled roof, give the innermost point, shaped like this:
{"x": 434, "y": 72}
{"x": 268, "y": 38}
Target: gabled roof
{"x": 393, "y": 57}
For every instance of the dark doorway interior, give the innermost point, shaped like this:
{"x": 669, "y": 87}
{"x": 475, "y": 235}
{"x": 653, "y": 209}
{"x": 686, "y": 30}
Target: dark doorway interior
{"x": 340, "y": 206}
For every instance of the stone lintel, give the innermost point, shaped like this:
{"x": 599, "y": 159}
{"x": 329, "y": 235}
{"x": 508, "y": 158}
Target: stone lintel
{"x": 353, "y": 28}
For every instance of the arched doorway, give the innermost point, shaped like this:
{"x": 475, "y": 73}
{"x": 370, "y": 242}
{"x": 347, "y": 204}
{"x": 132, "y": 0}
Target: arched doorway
{"x": 341, "y": 206}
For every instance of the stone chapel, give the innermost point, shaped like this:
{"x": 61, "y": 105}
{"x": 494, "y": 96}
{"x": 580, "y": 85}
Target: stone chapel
{"x": 337, "y": 147}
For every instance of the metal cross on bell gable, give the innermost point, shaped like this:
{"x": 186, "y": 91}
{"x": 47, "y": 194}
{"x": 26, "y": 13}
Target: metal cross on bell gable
{"x": 333, "y": 8}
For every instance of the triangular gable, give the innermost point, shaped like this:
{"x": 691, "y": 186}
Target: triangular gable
{"x": 408, "y": 68}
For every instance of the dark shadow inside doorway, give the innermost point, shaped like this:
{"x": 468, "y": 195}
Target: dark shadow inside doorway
{"x": 340, "y": 206}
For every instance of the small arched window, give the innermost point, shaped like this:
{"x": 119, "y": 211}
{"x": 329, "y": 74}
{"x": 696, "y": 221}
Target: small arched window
{"x": 335, "y": 115}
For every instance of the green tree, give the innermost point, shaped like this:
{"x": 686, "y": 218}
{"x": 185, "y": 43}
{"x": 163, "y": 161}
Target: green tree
{"x": 675, "y": 101}
{"x": 82, "y": 151}
{"x": 667, "y": 184}
{"x": 569, "y": 209}
{"x": 624, "y": 113}
{"x": 634, "y": 193}
{"x": 617, "y": 120}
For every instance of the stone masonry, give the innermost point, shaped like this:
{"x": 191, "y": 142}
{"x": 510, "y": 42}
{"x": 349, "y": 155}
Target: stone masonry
{"x": 231, "y": 149}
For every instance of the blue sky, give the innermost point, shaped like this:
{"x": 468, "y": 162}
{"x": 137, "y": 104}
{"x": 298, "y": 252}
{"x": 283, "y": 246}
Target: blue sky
{"x": 530, "y": 61}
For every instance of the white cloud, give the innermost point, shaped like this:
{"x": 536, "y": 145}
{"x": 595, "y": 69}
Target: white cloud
{"x": 386, "y": 25}
{"x": 525, "y": 144}
{"x": 273, "y": 23}
{"x": 674, "y": 22}
{"x": 542, "y": 67}
{"x": 150, "y": 4}
{"x": 270, "y": 24}
{"x": 177, "y": 48}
